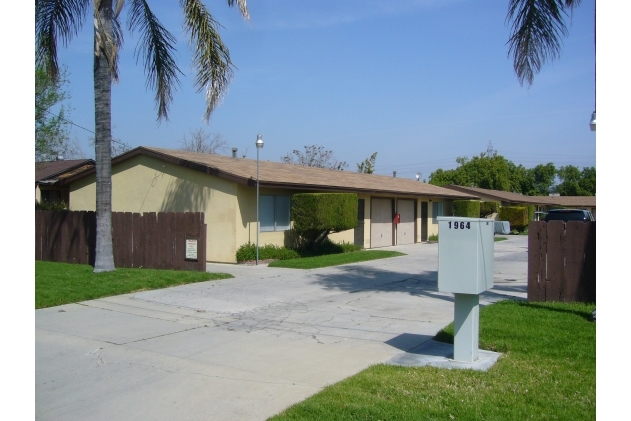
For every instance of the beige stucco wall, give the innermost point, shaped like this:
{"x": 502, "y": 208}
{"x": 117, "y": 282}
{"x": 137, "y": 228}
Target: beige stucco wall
{"x": 145, "y": 184}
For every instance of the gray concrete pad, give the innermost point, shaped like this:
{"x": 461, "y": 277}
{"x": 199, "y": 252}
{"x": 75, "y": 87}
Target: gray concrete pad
{"x": 438, "y": 354}
{"x": 248, "y": 347}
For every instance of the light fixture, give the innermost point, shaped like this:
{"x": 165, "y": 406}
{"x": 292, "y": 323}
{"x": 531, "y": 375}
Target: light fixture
{"x": 259, "y": 145}
{"x": 592, "y": 122}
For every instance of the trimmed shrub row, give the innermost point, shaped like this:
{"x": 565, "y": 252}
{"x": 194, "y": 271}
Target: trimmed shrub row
{"x": 324, "y": 211}
{"x": 270, "y": 251}
{"x": 517, "y": 216}
{"x": 467, "y": 208}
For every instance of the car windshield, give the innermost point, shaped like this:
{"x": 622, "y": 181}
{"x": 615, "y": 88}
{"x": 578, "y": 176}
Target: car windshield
{"x": 565, "y": 216}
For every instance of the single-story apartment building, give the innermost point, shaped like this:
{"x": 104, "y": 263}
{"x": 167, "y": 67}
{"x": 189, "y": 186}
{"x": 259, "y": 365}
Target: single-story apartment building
{"x": 50, "y": 174}
{"x": 149, "y": 179}
{"x": 542, "y": 203}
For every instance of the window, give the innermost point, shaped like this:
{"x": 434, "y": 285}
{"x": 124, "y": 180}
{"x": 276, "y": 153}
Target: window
{"x": 437, "y": 210}
{"x": 274, "y": 213}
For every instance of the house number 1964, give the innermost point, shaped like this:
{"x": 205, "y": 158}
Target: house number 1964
{"x": 459, "y": 225}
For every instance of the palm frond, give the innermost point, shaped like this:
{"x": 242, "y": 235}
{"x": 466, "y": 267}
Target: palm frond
{"x": 56, "y": 20}
{"x": 211, "y": 57}
{"x": 156, "y": 45}
{"x": 243, "y": 7}
{"x": 108, "y": 42}
{"x": 537, "y": 28}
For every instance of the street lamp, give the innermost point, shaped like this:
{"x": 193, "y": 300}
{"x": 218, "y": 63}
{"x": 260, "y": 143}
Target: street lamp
{"x": 259, "y": 145}
{"x": 592, "y": 122}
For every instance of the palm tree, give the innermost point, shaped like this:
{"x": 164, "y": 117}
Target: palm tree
{"x": 62, "y": 19}
{"x": 535, "y": 34}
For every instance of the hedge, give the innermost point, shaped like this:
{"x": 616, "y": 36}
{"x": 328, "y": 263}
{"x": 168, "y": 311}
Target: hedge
{"x": 324, "y": 211}
{"x": 517, "y": 216}
{"x": 531, "y": 211}
{"x": 467, "y": 208}
{"x": 488, "y": 208}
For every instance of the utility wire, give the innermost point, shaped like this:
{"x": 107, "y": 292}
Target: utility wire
{"x": 81, "y": 127}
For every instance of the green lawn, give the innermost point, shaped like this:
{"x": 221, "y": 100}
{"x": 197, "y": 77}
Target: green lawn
{"x": 496, "y": 239}
{"x": 63, "y": 283}
{"x": 547, "y": 372}
{"x": 334, "y": 259}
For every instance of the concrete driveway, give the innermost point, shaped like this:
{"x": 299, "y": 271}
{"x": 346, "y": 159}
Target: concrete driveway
{"x": 248, "y": 347}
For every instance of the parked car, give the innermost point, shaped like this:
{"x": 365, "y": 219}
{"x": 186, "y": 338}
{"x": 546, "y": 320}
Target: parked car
{"x": 569, "y": 215}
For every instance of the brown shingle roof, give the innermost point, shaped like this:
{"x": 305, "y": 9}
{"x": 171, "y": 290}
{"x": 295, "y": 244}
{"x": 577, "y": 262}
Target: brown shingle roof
{"x": 281, "y": 175}
{"x": 62, "y": 168}
{"x": 569, "y": 201}
{"x": 503, "y": 195}
{"x": 574, "y": 201}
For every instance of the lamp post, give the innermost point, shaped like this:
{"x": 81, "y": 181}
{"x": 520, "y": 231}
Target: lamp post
{"x": 592, "y": 121}
{"x": 259, "y": 145}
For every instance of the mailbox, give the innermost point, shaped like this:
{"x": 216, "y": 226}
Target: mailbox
{"x": 465, "y": 255}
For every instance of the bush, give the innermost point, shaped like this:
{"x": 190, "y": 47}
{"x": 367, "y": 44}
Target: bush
{"x": 517, "y": 216}
{"x": 531, "y": 212}
{"x": 467, "y": 208}
{"x": 46, "y": 205}
{"x": 488, "y": 208}
{"x": 315, "y": 215}
{"x": 433, "y": 237}
{"x": 268, "y": 251}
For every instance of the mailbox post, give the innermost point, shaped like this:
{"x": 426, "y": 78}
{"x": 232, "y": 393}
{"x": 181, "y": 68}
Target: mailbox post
{"x": 465, "y": 268}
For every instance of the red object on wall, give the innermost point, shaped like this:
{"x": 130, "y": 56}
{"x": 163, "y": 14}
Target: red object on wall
{"x": 397, "y": 218}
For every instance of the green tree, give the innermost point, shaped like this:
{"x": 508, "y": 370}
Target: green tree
{"x": 368, "y": 166}
{"x": 575, "y": 182}
{"x": 536, "y": 31}
{"x": 61, "y": 20}
{"x": 543, "y": 177}
{"x": 51, "y": 128}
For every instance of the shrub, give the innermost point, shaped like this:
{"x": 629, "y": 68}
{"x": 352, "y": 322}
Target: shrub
{"x": 531, "y": 212}
{"x": 488, "y": 208}
{"x": 433, "y": 237}
{"x": 316, "y": 215}
{"x": 269, "y": 251}
{"x": 467, "y": 208}
{"x": 321, "y": 211}
{"x": 46, "y": 205}
{"x": 517, "y": 216}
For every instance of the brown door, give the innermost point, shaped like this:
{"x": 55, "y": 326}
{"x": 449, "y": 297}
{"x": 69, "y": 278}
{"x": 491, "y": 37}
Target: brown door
{"x": 405, "y": 229}
{"x": 359, "y": 229}
{"x": 381, "y": 223}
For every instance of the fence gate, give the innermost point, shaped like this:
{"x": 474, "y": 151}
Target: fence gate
{"x": 562, "y": 261}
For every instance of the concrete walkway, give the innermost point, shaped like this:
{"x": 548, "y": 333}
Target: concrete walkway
{"x": 248, "y": 347}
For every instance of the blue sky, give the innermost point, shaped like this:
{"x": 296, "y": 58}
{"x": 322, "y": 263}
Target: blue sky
{"x": 420, "y": 82}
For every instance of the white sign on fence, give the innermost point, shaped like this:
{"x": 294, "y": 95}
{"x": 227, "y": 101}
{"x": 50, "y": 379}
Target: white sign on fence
{"x": 191, "y": 249}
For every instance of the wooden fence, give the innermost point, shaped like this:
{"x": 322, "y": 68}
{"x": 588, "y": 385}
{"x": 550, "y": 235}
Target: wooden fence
{"x": 562, "y": 261}
{"x": 165, "y": 240}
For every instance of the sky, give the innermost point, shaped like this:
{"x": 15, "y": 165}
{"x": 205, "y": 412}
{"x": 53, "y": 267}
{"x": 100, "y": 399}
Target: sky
{"x": 420, "y": 82}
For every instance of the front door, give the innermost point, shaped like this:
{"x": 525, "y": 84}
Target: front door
{"x": 359, "y": 229}
{"x": 423, "y": 221}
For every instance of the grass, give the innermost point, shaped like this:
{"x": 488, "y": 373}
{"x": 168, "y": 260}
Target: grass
{"x": 547, "y": 372}
{"x": 334, "y": 259}
{"x": 63, "y": 283}
{"x": 496, "y": 239}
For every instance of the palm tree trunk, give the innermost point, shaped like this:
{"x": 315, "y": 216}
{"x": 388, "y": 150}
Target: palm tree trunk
{"x": 104, "y": 257}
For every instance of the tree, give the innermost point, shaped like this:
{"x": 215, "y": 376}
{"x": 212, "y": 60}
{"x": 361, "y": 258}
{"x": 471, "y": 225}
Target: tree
{"x": 203, "y": 142}
{"x": 537, "y": 26}
{"x": 575, "y": 182}
{"x": 368, "y": 166}
{"x": 51, "y": 128}
{"x": 62, "y": 19}
{"x": 314, "y": 156}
